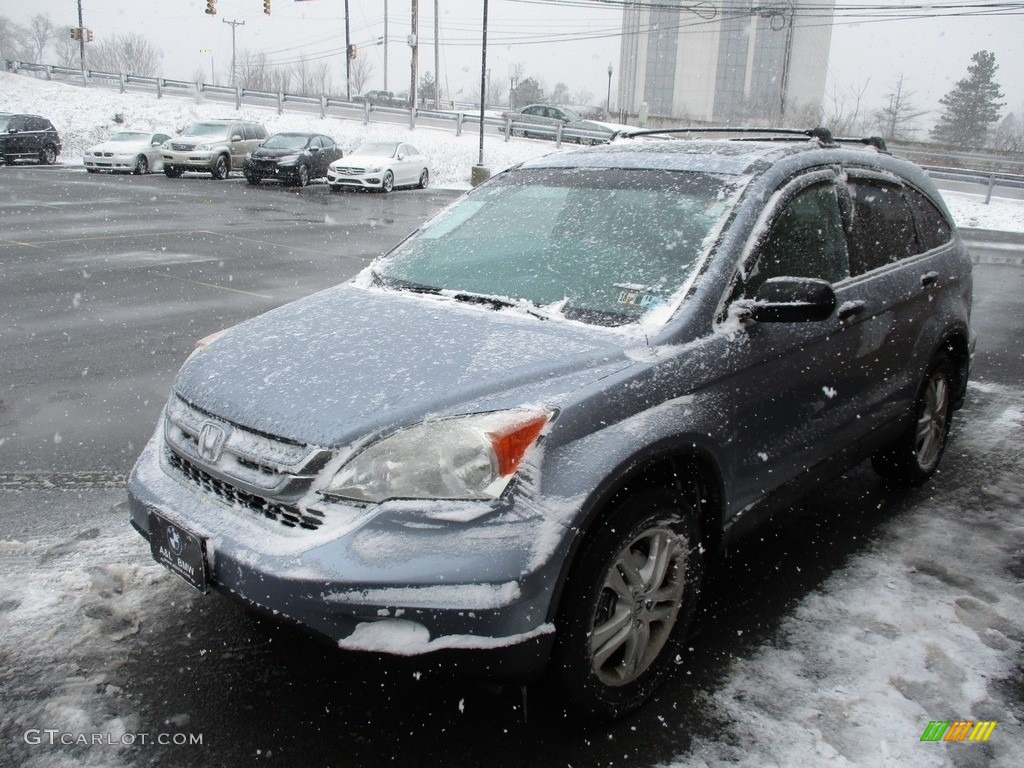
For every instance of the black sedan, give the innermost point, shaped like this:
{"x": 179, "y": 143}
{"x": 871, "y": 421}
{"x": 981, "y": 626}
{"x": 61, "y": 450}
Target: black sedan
{"x": 294, "y": 158}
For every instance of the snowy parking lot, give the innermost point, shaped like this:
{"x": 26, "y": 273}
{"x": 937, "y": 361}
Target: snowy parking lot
{"x": 834, "y": 638}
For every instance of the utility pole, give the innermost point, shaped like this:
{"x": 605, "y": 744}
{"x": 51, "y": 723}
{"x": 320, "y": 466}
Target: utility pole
{"x": 233, "y": 25}
{"x": 348, "y": 58}
{"x": 437, "y": 59}
{"x": 414, "y": 42}
{"x": 385, "y": 45}
{"x": 81, "y": 38}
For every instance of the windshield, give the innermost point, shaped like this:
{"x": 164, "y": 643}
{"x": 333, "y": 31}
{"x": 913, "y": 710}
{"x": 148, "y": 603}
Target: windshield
{"x": 207, "y": 130}
{"x": 605, "y": 246}
{"x": 129, "y": 136}
{"x": 377, "y": 149}
{"x": 286, "y": 141}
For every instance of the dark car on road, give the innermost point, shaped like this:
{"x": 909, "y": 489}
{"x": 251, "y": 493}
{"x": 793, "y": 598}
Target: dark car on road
{"x": 518, "y": 437}
{"x": 294, "y": 158}
{"x": 28, "y": 137}
{"x": 380, "y": 99}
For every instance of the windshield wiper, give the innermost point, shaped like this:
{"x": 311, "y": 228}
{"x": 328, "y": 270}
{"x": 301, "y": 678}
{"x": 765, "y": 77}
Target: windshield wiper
{"x": 401, "y": 285}
{"x": 501, "y": 302}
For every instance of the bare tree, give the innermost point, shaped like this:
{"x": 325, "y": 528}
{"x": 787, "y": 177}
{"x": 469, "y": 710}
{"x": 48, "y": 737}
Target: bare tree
{"x": 359, "y": 73}
{"x": 67, "y": 50}
{"x": 12, "y": 38}
{"x": 302, "y": 73}
{"x": 321, "y": 78}
{"x": 1008, "y": 135}
{"x": 38, "y": 34}
{"x": 896, "y": 120}
{"x": 252, "y": 70}
{"x": 129, "y": 54}
{"x": 842, "y": 113}
{"x": 581, "y": 97}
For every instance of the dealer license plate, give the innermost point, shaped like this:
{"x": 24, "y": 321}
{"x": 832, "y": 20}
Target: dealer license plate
{"x": 178, "y": 549}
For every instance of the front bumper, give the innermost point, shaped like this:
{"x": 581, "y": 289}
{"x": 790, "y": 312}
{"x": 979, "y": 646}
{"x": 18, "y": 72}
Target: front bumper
{"x": 110, "y": 162}
{"x": 195, "y": 160}
{"x": 385, "y": 581}
{"x": 374, "y": 180}
{"x": 263, "y": 170}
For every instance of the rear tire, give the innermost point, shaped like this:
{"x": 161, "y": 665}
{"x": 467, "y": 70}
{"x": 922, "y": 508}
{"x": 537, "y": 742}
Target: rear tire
{"x": 48, "y": 155}
{"x": 914, "y": 457}
{"x": 424, "y": 179}
{"x": 628, "y": 602}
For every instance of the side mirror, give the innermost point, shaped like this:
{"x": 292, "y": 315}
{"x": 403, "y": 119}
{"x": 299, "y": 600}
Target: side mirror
{"x": 314, "y": 149}
{"x": 236, "y": 137}
{"x": 793, "y": 300}
{"x": 12, "y": 130}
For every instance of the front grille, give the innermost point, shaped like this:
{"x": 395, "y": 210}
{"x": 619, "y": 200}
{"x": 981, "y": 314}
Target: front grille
{"x": 178, "y": 147}
{"x": 287, "y": 515}
{"x": 351, "y": 171}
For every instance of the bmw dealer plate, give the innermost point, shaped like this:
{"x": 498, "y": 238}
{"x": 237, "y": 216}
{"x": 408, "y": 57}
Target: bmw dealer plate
{"x": 179, "y": 550}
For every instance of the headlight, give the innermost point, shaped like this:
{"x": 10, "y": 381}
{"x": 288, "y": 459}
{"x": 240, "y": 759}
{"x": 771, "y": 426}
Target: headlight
{"x": 468, "y": 457}
{"x": 375, "y": 169}
{"x": 203, "y": 147}
{"x": 287, "y": 160}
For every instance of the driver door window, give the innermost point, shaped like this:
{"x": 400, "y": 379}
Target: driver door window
{"x": 805, "y": 240}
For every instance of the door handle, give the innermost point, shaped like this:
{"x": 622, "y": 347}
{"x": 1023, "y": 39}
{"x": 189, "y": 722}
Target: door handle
{"x": 928, "y": 279}
{"x": 850, "y": 308}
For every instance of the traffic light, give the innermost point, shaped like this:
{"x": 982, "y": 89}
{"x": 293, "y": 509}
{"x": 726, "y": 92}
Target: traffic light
{"x": 76, "y": 33}
{"x": 211, "y": 7}
{"x": 352, "y": 51}
{"x": 88, "y": 35}
{"x": 266, "y": 7}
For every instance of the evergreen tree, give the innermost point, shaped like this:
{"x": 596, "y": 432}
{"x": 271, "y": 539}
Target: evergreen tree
{"x": 972, "y": 106}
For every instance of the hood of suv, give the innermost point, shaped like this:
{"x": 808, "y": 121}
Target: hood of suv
{"x": 263, "y": 153}
{"x": 349, "y": 361}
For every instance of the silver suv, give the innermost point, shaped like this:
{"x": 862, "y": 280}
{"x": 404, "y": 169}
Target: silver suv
{"x": 520, "y": 434}
{"x": 212, "y": 146}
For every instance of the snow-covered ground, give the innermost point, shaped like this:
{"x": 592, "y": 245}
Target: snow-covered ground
{"x": 86, "y": 116}
{"x": 926, "y": 623}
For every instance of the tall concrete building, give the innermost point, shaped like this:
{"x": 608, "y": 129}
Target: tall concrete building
{"x": 727, "y": 61}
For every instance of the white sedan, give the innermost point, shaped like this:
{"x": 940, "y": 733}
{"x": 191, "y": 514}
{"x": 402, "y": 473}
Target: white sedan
{"x": 381, "y": 165}
{"x": 135, "y": 152}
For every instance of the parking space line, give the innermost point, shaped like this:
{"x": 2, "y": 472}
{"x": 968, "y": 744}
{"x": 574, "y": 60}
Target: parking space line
{"x": 212, "y": 285}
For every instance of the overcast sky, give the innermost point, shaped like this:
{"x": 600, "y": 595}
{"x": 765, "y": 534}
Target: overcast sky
{"x": 572, "y": 41}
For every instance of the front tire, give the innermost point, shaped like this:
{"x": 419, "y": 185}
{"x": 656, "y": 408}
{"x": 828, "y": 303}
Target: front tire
{"x": 628, "y": 602}
{"x": 914, "y": 457}
{"x": 172, "y": 171}
{"x": 254, "y": 181}
{"x": 302, "y": 179}
{"x": 220, "y": 168}
{"x": 387, "y": 184}
{"x": 141, "y": 166}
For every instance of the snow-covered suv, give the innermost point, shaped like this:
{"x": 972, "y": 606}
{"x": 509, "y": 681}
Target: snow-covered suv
{"x": 212, "y": 146}
{"x": 519, "y": 434}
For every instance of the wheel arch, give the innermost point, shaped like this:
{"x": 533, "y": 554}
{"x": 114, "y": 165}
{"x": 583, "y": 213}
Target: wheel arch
{"x": 957, "y": 348}
{"x": 663, "y": 465}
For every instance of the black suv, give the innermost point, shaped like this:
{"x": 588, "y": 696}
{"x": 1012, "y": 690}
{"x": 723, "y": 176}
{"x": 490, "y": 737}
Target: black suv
{"x": 28, "y": 137}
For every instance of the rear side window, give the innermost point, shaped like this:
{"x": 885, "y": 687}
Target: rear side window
{"x": 255, "y": 131}
{"x": 933, "y": 229}
{"x": 882, "y": 227}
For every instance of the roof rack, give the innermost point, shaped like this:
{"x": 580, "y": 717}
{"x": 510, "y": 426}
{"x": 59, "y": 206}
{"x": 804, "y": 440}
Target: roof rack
{"x": 824, "y": 135}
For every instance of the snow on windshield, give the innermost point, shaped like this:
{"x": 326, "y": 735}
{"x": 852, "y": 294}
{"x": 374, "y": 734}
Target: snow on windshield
{"x": 605, "y": 246}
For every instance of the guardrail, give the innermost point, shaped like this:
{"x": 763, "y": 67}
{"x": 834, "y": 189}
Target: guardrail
{"x": 326, "y": 105}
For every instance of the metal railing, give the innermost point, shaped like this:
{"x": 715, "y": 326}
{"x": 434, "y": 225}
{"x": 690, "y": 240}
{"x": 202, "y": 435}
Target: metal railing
{"x": 455, "y": 120}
